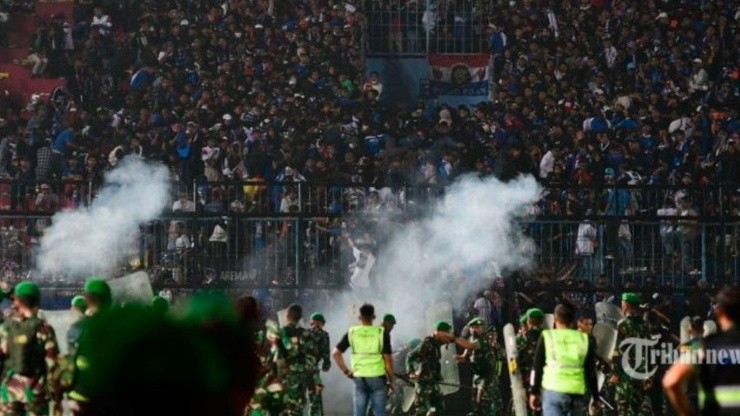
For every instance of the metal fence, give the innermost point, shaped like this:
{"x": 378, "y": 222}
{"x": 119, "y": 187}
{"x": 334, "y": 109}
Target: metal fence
{"x": 312, "y": 251}
{"x": 291, "y": 234}
{"x": 259, "y": 198}
{"x": 417, "y": 27}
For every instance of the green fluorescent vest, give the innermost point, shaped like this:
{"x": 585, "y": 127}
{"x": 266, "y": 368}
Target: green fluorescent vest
{"x": 565, "y": 353}
{"x": 367, "y": 350}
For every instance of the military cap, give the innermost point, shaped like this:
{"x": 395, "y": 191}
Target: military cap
{"x": 27, "y": 289}
{"x": 98, "y": 287}
{"x": 631, "y": 298}
{"x": 318, "y": 317}
{"x": 475, "y": 322}
{"x": 79, "y": 302}
{"x": 414, "y": 343}
{"x": 389, "y": 318}
{"x": 535, "y": 313}
{"x": 443, "y": 326}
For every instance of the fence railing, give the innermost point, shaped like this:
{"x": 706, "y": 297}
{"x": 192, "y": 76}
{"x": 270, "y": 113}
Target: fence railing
{"x": 408, "y": 28}
{"x": 312, "y": 251}
{"x": 259, "y": 198}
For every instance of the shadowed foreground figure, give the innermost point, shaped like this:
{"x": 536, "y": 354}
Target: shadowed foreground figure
{"x": 140, "y": 362}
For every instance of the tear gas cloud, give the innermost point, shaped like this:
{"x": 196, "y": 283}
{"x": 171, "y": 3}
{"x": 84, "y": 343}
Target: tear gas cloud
{"x": 472, "y": 230}
{"x": 97, "y": 238}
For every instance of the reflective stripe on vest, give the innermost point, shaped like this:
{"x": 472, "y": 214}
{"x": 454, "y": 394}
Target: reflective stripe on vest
{"x": 367, "y": 350}
{"x": 727, "y": 397}
{"x": 565, "y": 354}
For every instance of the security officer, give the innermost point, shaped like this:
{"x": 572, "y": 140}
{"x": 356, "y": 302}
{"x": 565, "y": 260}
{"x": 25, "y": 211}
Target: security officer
{"x": 372, "y": 363}
{"x": 717, "y": 374}
{"x": 29, "y": 348}
{"x": 565, "y": 367}
{"x": 318, "y": 358}
{"x": 98, "y": 299}
{"x": 486, "y": 359}
{"x": 296, "y": 343}
{"x": 428, "y": 400}
{"x": 630, "y": 394}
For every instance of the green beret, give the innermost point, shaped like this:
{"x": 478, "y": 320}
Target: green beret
{"x": 475, "y": 322}
{"x": 523, "y": 319}
{"x": 98, "y": 287}
{"x": 389, "y": 318}
{"x": 318, "y": 317}
{"x": 535, "y": 313}
{"x": 631, "y": 298}
{"x": 443, "y": 326}
{"x": 79, "y": 302}
{"x": 160, "y": 305}
{"x": 414, "y": 343}
{"x": 27, "y": 289}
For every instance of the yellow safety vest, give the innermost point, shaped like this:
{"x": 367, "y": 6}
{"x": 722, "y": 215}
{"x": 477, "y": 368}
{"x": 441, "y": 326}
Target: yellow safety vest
{"x": 565, "y": 354}
{"x": 367, "y": 350}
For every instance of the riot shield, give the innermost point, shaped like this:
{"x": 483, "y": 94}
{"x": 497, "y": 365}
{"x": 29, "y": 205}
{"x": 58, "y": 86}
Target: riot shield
{"x": 61, "y": 321}
{"x": 608, "y": 313}
{"x": 606, "y": 342}
{"x": 519, "y": 396}
{"x": 710, "y": 327}
{"x": 134, "y": 287}
{"x": 685, "y": 327}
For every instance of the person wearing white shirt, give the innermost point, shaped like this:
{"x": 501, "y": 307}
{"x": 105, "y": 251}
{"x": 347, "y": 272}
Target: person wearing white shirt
{"x": 585, "y": 247}
{"x": 183, "y": 204}
{"x": 547, "y": 164}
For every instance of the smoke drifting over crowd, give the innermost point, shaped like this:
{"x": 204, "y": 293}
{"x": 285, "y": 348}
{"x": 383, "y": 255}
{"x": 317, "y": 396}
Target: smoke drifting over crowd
{"x": 472, "y": 231}
{"x": 97, "y": 238}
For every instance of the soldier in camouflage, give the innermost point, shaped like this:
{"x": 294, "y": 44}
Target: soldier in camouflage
{"x": 268, "y": 394}
{"x": 428, "y": 400}
{"x": 630, "y": 394}
{"x": 486, "y": 359}
{"x": 318, "y": 357}
{"x": 295, "y": 344}
{"x": 29, "y": 348}
{"x": 395, "y": 401}
{"x": 526, "y": 342}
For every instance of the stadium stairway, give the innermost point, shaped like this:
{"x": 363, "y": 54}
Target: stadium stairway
{"x": 15, "y": 78}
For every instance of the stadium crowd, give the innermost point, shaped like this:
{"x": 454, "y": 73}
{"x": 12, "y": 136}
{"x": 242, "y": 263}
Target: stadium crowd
{"x": 589, "y": 96}
{"x": 601, "y": 93}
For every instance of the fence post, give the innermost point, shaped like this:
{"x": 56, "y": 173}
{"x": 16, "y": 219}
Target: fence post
{"x": 704, "y": 251}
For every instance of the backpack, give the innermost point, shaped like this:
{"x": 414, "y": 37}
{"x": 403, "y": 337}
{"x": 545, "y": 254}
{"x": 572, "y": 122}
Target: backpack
{"x": 25, "y": 355}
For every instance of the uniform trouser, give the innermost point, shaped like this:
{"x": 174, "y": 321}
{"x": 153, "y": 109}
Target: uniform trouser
{"x": 23, "y": 396}
{"x": 563, "y": 404}
{"x": 631, "y": 399}
{"x": 316, "y": 402}
{"x": 370, "y": 391}
{"x": 428, "y": 400}
{"x": 486, "y": 396}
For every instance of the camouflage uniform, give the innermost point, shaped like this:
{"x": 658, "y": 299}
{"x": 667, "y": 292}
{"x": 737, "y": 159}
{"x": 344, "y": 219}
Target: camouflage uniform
{"x": 295, "y": 343}
{"x": 526, "y": 343}
{"x": 268, "y": 395}
{"x": 630, "y": 395}
{"x": 24, "y": 391}
{"x": 486, "y": 362}
{"x": 318, "y": 353}
{"x": 428, "y": 399}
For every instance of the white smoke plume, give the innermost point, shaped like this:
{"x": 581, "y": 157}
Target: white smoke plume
{"x": 455, "y": 250}
{"x": 95, "y": 239}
